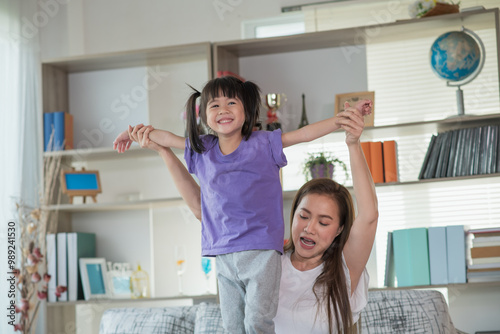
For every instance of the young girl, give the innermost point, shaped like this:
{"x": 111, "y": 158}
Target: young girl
{"x": 241, "y": 195}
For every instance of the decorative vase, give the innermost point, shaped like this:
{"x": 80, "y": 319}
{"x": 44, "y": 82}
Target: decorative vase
{"x": 442, "y": 8}
{"x": 318, "y": 171}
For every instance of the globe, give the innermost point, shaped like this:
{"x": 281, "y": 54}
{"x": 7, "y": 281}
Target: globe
{"x": 455, "y": 56}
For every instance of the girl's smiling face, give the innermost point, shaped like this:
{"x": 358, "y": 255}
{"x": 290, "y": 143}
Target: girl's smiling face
{"x": 315, "y": 225}
{"x": 225, "y": 115}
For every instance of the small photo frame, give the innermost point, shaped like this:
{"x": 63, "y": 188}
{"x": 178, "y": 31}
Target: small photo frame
{"x": 119, "y": 279}
{"x": 94, "y": 278}
{"x": 80, "y": 183}
{"x": 352, "y": 98}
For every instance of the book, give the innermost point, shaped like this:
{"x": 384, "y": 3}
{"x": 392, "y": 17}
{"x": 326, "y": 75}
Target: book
{"x": 48, "y": 129}
{"x": 483, "y": 152}
{"x": 411, "y": 256}
{"x": 442, "y": 158}
{"x": 62, "y": 265}
{"x": 476, "y": 147}
{"x": 51, "y": 250}
{"x": 59, "y": 130}
{"x": 486, "y": 241}
{"x": 377, "y": 161}
{"x": 427, "y": 157}
{"x": 467, "y": 156}
{"x": 390, "y": 275}
{"x": 452, "y": 153}
{"x": 80, "y": 245}
{"x": 455, "y": 247}
{"x": 457, "y": 164}
{"x": 480, "y": 270}
{"x": 483, "y": 266}
{"x": 495, "y": 161}
{"x": 489, "y": 251}
{"x": 390, "y": 161}
{"x": 365, "y": 146}
{"x": 430, "y": 170}
{"x": 485, "y": 232}
{"x": 484, "y": 260}
{"x": 438, "y": 257}
{"x": 68, "y": 132}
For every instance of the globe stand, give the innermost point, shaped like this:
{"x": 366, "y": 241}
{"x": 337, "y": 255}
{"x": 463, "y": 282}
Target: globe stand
{"x": 460, "y": 92}
{"x": 460, "y": 102}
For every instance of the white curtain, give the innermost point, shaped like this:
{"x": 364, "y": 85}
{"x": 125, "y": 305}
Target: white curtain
{"x": 20, "y": 115}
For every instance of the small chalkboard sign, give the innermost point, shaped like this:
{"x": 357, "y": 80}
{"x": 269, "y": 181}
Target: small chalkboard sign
{"x": 80, "y": 183}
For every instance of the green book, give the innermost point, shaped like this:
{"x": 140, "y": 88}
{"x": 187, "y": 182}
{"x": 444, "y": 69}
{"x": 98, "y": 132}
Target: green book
{"x": 80, "y": 245}
{"x": 411, "y": 256}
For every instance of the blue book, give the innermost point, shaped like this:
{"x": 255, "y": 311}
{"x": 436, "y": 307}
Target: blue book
{"x": 48, "y": 125}
{"x": 411, "y": 256}
{"x": 455, "y": 244}
{"x": 438, "y": 262}
{"x": 58, "y": 130}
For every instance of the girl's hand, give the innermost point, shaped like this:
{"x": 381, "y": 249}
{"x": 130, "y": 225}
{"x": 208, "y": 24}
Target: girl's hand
{"x": 351, "y": 120}
{"x": 364, "y": 107}
{"x": 122, "y": 142}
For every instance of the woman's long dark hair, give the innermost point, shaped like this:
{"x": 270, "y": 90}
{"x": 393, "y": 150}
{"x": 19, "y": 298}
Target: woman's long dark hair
{"x": 231, "y": 87}
{"x": 330, "y": 286}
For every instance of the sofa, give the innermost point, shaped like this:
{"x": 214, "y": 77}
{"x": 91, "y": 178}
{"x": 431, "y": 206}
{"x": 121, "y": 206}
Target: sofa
{"x": 388, "y": 311}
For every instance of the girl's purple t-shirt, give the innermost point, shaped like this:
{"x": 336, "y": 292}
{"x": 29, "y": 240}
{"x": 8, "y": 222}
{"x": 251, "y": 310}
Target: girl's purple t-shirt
{"x": 241, "y": 195}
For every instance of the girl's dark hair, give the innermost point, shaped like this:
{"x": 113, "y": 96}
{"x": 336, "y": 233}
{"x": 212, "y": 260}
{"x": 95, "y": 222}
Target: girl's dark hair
{"x": 231, "y": 87}
{"x": 330, "y": 286}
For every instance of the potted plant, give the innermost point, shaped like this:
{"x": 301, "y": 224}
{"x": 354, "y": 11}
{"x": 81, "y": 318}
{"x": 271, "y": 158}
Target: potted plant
{"x": 322, "y": 165}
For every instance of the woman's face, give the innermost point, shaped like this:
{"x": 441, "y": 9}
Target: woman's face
{"x": 315, "y": 224}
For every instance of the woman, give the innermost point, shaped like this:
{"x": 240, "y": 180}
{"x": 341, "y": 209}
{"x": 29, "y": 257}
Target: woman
{"x": 324, "y": 284}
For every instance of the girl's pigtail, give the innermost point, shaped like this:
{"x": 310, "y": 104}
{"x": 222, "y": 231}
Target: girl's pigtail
{"x": 251, "y": 95}
{"x": 192, "y": 124}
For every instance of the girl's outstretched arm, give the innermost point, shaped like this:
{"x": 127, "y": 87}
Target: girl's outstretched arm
{"x": 185, "y": 183}
{"x": 359, "y": 245}
{"x": 322, "y": 128}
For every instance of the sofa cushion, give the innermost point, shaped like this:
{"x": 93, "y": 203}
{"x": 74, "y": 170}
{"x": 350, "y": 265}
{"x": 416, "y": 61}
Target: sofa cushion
{"x": 208, "y": 319}
{"x": 406, "y": 311}
{"x": 160, "y": 320}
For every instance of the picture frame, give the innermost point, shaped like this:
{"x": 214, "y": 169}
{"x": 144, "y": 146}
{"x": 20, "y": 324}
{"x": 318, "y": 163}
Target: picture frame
{"x": 119, "y": 275}
{"x": 352, "y": 98}
{"x": 94, "y": 278}
{"x": 80, "y": 183}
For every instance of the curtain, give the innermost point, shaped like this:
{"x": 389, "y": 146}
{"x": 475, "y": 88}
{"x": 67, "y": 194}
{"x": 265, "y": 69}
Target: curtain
{"x": 20, "y": 124}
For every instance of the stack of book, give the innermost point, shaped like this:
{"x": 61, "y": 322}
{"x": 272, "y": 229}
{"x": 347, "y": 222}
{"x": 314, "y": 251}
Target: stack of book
{"x": 426, "y": 256}
{"x": 63, "y": 253}
{"x": 382, "y": 160}
{"x": 57, "y": 131}
{"x": 462, "y": 152}
{"x": 484, "y": 261}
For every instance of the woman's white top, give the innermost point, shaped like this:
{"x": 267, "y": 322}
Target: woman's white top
{"x": 297, "y": 304}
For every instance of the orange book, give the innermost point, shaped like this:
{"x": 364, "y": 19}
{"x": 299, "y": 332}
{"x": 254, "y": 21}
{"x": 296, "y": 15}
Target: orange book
{"x": 365, "y": 146}
{"x": 68, "y": 131}
{"x": 491, "y": 251}
{"x": 377, "y": 162}
{"x": 390, "y": 161}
